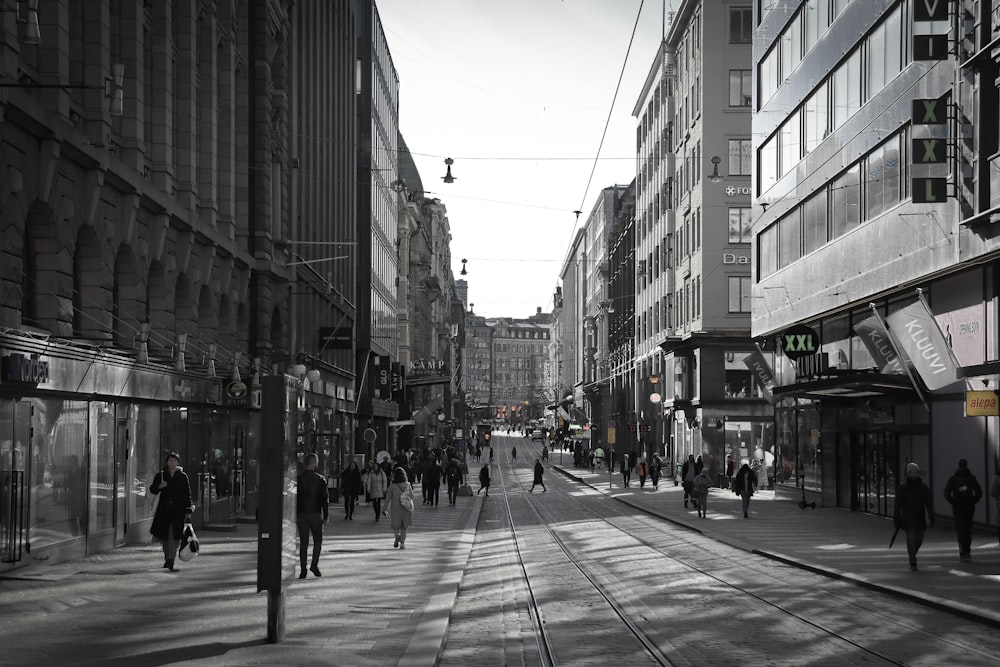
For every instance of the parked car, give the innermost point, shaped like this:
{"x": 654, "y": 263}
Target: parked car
{"x": 537, "y": 435}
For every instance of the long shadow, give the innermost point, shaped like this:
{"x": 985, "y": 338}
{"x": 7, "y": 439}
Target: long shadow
{"x": 172, "y": 655}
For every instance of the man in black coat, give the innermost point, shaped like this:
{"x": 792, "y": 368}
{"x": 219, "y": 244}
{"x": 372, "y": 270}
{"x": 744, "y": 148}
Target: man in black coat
{"x": 914, "y": 511}
{"x": 963, "y": 492}
{"x": 173, "y": 507}
{"x": 313, "y": 508}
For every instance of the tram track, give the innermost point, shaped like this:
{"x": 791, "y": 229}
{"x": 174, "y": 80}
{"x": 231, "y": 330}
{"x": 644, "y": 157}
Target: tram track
{"x": 855, "y": 641}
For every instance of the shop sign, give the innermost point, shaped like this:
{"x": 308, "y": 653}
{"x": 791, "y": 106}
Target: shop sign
{"x": 16, "y": 367}
{"x": 733, "y": 258}
{"x": 426, "y": 371}
{"x": 982, "y": 404}
{"x": 799, "y": 341}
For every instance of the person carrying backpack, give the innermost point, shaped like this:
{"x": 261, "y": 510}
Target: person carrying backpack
{"x": 453, "y": 475}
{"x": 962, "y": 491}
{"x": 702, "y": 483}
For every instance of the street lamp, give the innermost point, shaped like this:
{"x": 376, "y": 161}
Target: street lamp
{"x": 715, "y": 177}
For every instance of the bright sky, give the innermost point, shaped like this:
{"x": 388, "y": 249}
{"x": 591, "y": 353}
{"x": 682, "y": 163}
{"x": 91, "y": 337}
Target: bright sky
{"x": 518, "y": 93}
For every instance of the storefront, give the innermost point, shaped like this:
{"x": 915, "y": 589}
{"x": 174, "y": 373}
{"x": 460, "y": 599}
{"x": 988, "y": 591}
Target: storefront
{"x": 82, "y": 433}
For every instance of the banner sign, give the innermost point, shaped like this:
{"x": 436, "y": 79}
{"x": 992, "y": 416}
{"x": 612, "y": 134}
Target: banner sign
{"x": 920, "y": 338}
{"x": 876, "y": 339}
{"x": 762, "y": 373}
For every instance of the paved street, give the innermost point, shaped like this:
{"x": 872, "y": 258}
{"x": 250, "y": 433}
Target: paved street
{"x": 379, "y": 606}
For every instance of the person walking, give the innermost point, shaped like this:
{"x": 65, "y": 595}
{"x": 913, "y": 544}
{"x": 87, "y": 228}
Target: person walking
{"x": 312, "y": 505}
{"x": 599, "y": 457}
{"x": 730, "y": 470}
{"x": 995, "y": 495}
{"x": 545, "y": 452}
{"x": 626, "y": 470}
{"x": 655, "y": 469}
{"x": 539, "y": 471}
{"x": 399, "y": 506}
{"x": 491, "y": 453}
{"x": 702, "y": 484}
{"x": 484, "y": 479}
{"x": 689, "y": 471}
{"x": 643, "y": 471}
{"x": 962, "y": 491}
{"x": 431, "y": 484}
{"x": 744, "y": 485}
{"x": 366, "y": 473}
{"x": 377, "y": 485}
{"x": 513, "y": 454}
{"x": 350, "y": 482}
{"x": 914, "y": 511}
{"x": 453, "y": 476}
{"x": 173, "y": 507}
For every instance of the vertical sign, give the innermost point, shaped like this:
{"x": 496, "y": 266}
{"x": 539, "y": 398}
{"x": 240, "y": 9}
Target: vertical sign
{"x": 930, "y": 113}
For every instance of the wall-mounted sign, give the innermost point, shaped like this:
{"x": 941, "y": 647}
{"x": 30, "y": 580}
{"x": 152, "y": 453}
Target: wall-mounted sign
{"x": 982, "y": 404}
{"x": 799, "y": 341}
{"x": 426, "y": 371}
{"x": 16, "y": 367}
{"x": 733, "y": 258}
{"x": 737, "y": 190}
{"x": 336, "y": 338}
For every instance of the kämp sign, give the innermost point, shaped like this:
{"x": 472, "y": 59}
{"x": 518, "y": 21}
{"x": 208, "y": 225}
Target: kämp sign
{"x": 422, "y": 371}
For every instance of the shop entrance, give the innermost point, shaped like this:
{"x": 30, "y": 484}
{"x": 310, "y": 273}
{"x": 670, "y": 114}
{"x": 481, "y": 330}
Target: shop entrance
{"x": 14, "y": 421}
{"x": 107, "y": 475}
{"x": 874, "y": 472}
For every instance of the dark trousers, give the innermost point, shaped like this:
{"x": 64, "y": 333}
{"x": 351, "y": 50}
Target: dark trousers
{"x": 350, "y": 501}
{"x": 310, "y": 523}
{"x": 914, "y": 538}
{"x": 377, "y": 506}
{"x": 452, "y": 492}
{"x": 963, "y": 529}
{"x": 626, "y": 475}
{"x": 431, "y": 494}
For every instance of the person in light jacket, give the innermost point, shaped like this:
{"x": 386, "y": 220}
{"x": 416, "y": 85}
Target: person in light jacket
{"x": 377, "y": 484}
{"x": 400, "y": 518}
{"x": 173, "y": 508}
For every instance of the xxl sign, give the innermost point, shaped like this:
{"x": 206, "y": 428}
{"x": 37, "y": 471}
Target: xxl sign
{"x": 799, "y": 341}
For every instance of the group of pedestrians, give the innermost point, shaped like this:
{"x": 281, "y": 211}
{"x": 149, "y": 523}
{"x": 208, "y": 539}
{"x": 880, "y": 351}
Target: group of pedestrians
{"x": 697, "y": 482}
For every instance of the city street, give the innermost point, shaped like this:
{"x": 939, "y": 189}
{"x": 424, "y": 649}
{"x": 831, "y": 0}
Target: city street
{"x": 705, "y": 590}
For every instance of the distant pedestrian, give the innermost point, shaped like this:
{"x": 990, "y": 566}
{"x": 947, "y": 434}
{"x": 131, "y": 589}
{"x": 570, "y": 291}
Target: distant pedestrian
{"x": 995, "y": 495}
{"x": 545, "y": 452}
{"x": 173, "y": 507}
{"x": 479, "y": 453}
{"x": 377, "y": 486}
{"x": 655, "y": 470}
{"x": 914, "y": 511}
{"x": 399, "y": 505}
{"x": 730, "y": 470}
{"x": 484, "y": 479}
{"x": 689, "y": 471}
{"x": 745, "y": 485}
{"x": 491, "y": 453}
{"x": 513, "y": 454}
{"x": 313, "y": 511}
{"x": 643, "y": 471}
{"x": 539, "y": 471}
{"x": 453, "y": 477}
{"x": 599, "y": 457}
{"x": 366, "y": 473}
{"x": 963, "y": 492}
{"x": 350, "y": 484}
{"x": 431, "y": 484}
{"x": 625, "y": 468}
{"x": 702, "y": 483}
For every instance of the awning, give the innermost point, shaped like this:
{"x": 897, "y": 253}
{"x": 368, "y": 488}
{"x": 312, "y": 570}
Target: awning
{"x": 849, "y": 387}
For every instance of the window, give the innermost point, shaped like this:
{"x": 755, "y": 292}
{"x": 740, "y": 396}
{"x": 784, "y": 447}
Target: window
{"x": 740, "y": 94}
{"x": 740, "y": 152}
{"x": 791, "y": 144}
{"x": 845, "y": 202}
{"x": 790, "y": 238}
{"x": 740, "y": 25}
{"x": 883, "y": 178}
{"x": 814, "y": 222}
{"x": 739, "y": 294}
{"x": 816, "y": 119}
{"x": 738, "y": 382}
{"x": 739, "y": 224}
{"x": 847, "y": 89}
{"x": 768, "y": 172}
{"x": 767, "y": 251}
{"x": 768, "y": 76}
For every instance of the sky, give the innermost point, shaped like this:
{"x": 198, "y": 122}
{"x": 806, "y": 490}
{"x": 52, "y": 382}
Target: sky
{"x": 518, "y": 93}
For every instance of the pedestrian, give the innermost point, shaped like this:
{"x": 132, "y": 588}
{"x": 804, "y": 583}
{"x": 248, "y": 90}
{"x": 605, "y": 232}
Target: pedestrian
{"x": 625, "y": 468}
{"x": 592, "y": 460}
{"x": 479, "y": 453}
{"x": 655, "y": 470}
{"x": 513, "y": 454}
{"x": 399, "y": 506}
{"x": 539, "y": 471}
{"x": 312, "y": 505}
{"x": 545, "y": 452}
{"x": 491, "y": 453}
{"x": 962, "y": 491}
{"x": 730, "y": 470}
{"x": 744, "y": 486}
{"x": 914, "y": 511}
{"x": 702, "y": 483}
{"x": 173, "y": 507}
{"x": 599, "y": 457}
{"x": 377, "y": 485}
{"x": 484, "y": 479}
{"x": 350, "y": 483}
{"x": 431, "y": 484}
{"x": 643, "y": 471}
{"x": 995, "y": 495}
{"x": 453, "y": 477}
{"x": 688, "y": 472}
{"x": 366, "y": 473}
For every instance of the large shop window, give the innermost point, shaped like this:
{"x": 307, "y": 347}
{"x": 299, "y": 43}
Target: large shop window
{"x": 58, "y": 471}
{"x": 148, "y": 458}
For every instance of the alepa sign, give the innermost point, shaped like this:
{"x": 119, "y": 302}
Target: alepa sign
{"x": 982, "y": 404}
{"x": 422, "y": 371}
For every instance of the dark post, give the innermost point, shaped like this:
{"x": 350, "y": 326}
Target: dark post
{"x": 276, "y": 551}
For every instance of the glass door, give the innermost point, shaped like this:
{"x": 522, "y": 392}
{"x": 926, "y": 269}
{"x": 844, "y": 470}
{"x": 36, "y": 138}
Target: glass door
{"x": 14, "y": 420}
{"x": 106, "y": 507}
{"x": 873, "y": 460}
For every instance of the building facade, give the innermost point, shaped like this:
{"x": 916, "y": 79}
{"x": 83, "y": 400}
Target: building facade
{"x": 144, "y": 287}
{"x": 692, "y": 242}
{"x": 857, "y": 211}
